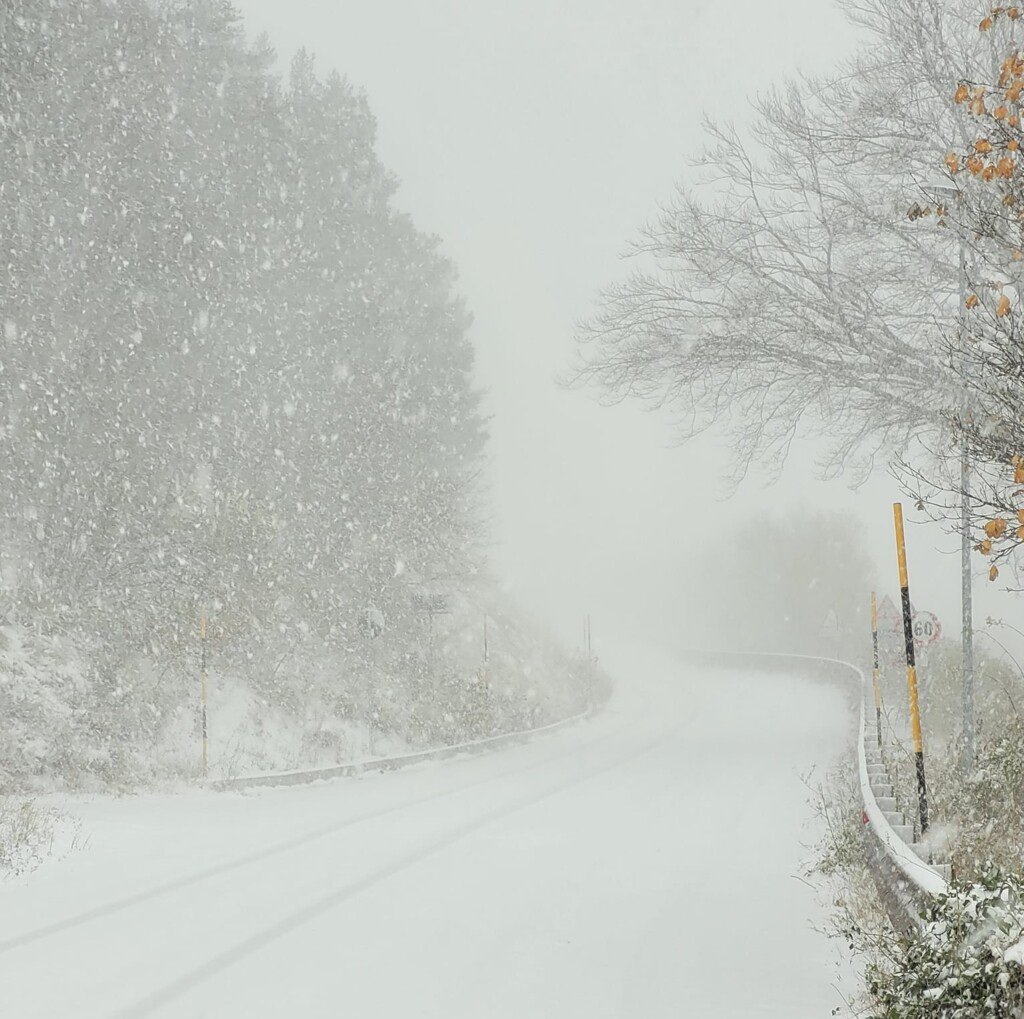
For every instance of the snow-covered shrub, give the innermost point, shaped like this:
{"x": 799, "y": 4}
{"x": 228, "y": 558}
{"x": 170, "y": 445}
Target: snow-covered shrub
{"x": 989, "y": 806}
{"x": 956, "y": 967}
{"x": 981, "y": 814}
{"x": 28, "y": 833}
{"x": 42, "y": 686}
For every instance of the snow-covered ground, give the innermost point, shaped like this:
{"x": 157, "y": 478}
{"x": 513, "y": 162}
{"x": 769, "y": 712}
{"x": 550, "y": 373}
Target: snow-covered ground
{"x": 643, "y": 864}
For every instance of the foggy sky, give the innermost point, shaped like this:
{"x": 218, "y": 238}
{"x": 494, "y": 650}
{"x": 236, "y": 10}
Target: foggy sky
{"x": 535, "y": 138}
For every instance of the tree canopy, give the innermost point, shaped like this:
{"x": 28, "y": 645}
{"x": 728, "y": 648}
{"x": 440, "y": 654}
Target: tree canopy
{"x": 798, "y": 291}
{"x": 233, "y": 375}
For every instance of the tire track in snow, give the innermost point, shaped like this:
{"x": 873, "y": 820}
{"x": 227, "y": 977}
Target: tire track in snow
{"x": 280, "y": 848}
{"x": 181, "y": 985}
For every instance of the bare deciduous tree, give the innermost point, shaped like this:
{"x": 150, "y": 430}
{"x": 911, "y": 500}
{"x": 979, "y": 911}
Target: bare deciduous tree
{"x": 810, "y": 286}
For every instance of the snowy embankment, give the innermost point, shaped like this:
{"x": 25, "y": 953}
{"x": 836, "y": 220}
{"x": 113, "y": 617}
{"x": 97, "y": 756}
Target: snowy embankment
{"x": 614, "y": 868}
{"x": 68, "y": 722}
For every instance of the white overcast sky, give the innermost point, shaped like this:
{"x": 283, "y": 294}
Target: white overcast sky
{"x": 535, "y": 137}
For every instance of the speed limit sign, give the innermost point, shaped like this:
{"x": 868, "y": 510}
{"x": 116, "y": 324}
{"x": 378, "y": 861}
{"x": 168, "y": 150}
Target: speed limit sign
{"x": 926, "y": 627}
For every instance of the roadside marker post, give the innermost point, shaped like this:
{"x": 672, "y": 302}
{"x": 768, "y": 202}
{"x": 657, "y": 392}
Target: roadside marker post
{"x": 908, "y": 636}
{"x": 203, "y": 689}
{"x": 877, "y": 677}
{"x": 486, "y": 671}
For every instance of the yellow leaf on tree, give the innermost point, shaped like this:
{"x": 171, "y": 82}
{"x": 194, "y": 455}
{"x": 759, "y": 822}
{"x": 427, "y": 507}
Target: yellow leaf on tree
{"x": 995, "y": 528}
{"x": 975, "y": 164}
{"x": 1013, "y": 13}
{"x": 962, "y": 94}
{"x": 978, "y": 107}
{"x": 1014, "y": 121}
{"x": 1000, "y": 113}
{"x": 1014, "y": 91}
{"x": 982, "y": 145}
{"x": 952, "y": 163}
{"x": 986, "y": 24}
{"x": 1018, "y": 474}
{"x": 985, "y": 548}
{"x": 1020, "y": 533}
{"x": 993, "y": 573}
{"x": 972, "y": 301}
{"x": 1012, "y": 145}
{"x": 1003, "y": 306}
{"x": 989, "y": 172}
{"x": 1005, "y": 167}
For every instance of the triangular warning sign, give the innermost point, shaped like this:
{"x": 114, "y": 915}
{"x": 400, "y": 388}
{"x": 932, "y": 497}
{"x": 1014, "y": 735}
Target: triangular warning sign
{"x": 890, "y": 618}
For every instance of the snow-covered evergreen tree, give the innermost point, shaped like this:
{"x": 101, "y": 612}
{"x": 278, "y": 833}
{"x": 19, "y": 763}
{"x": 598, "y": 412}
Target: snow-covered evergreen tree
{"x": 234, "y": 375}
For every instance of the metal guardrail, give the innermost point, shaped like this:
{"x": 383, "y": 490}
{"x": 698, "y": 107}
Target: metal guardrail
{"x": 378, "y": 764}
{"x": 904, "y": 875}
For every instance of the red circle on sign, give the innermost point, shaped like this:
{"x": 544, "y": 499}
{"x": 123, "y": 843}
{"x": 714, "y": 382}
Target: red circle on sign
{"x": 925, "y": 627}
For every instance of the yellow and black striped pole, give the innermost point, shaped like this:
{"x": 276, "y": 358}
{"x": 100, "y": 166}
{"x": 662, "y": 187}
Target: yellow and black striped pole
{"x": 908, "y": 638}
{"x": 878, "y": 681}
{"x": 202, "y": 689}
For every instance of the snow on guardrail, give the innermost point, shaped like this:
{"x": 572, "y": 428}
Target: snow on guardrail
{"x": 925, "y": 878}
{"x": 372, "y": 764}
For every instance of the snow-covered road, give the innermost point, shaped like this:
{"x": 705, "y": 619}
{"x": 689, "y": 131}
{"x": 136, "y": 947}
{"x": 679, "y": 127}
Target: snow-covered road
{"x": 643, "y": 864}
